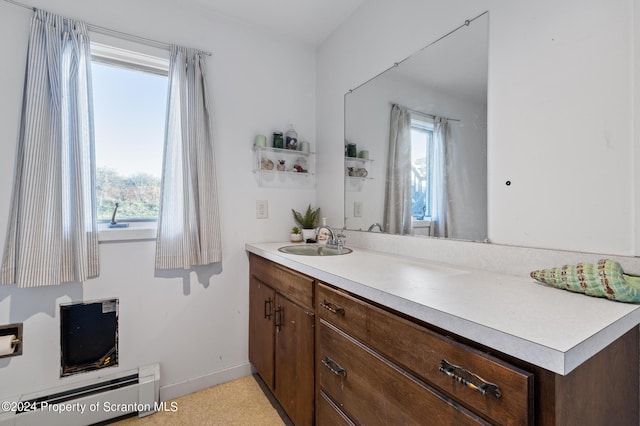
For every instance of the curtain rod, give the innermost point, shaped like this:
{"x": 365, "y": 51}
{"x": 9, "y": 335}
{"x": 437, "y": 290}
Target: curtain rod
{"x": 116, "y": 33}
{"x": 415, "y": 111}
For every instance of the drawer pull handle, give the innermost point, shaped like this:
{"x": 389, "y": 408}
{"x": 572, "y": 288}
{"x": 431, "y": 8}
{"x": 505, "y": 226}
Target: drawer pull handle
{"x": 267, "y": 308}
{"x": 278, "y": 317}
{"x": 332, "y": 308}
{"x": 334, "y": 367}
{"x": 469, "y": 379}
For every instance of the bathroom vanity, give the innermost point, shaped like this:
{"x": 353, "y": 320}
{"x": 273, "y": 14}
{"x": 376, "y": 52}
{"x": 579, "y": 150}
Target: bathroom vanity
{"x": 383, "y": 339}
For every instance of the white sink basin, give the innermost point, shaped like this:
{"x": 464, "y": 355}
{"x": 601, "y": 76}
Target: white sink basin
{"x": 313, "y": 250}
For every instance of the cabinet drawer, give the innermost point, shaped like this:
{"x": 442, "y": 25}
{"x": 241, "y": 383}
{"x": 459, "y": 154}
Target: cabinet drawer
{"x": 329, "y": 414}
{"x": 291, "y": 284}
{"x": 372, "y": 391}
{"x": 422, "y": 352}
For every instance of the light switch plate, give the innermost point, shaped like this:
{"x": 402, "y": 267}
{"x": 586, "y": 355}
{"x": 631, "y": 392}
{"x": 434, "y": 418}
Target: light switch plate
{"x": 357, "y": 209}
{"x": 262, "y": 209}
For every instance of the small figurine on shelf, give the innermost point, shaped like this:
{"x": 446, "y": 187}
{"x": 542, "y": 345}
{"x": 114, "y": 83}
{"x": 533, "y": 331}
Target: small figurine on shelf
{"x": 302, "y": 162}
{"x": 266, "y": 164}
{"x": 280, "y": 165}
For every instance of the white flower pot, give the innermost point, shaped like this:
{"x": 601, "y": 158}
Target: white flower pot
{"x": 308, "y": 234}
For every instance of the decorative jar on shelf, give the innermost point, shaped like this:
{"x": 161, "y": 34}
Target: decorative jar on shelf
{"x": 278, "y": 141}
{"x": 291, "y": 139}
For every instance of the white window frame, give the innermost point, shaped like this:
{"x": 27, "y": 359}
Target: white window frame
{"x": 427, "y": 124}
{"x": 122, "y": 53}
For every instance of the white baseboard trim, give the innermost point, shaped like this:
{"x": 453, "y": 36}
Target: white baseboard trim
{"x": 176, "y": 390}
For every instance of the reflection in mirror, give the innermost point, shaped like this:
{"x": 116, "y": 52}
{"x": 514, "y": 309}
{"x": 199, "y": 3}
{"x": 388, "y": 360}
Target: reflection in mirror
{"x": 419, "y": 164}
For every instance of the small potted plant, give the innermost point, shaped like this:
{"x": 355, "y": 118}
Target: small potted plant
{"x": 307, "y": 222}
{"x": 296, "y": 236}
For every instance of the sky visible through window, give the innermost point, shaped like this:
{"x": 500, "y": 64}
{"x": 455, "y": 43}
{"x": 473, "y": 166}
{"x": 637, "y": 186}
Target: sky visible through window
{"x": 129, "y": 116}
{"x": 129, "y": 119}
{"x": 420, "y": 147}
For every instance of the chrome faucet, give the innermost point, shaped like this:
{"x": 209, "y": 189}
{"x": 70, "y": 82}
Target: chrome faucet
{"x": 372, "y": 227}
{"x": 330, "y": 237}
{"x": 333, "y": 240}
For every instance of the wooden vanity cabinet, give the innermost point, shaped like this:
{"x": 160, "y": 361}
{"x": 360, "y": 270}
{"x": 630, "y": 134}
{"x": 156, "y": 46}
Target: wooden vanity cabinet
{"x": 281, "y": 335}
{"x": 337, "y": 359}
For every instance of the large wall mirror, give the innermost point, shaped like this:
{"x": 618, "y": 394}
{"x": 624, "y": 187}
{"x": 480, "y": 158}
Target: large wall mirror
{"x": 416, "y": 142}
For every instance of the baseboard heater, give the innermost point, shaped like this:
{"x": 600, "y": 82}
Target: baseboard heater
{"x": 87, "y": 403}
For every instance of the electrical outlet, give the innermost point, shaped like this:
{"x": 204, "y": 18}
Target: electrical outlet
{"x": 357, "y": 209}
{"x": 262, "y": 209}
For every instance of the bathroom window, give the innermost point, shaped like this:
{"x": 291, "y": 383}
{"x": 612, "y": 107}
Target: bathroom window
{"x": 130, "y": 102}
{"x": 421, "y": 148}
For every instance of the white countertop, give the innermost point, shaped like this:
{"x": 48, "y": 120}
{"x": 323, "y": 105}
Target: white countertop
{"x": 548, "y": 327}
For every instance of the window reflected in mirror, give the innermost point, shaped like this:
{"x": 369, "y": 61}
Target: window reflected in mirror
{"x": 443, "y": 189}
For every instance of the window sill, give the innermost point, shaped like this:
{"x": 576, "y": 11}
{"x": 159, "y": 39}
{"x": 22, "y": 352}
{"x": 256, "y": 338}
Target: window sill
{"x": 425, "y": 223}
{"x": 135, "y": 231}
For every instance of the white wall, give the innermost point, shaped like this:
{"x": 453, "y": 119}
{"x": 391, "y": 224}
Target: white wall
{"x": 195, "y": 325}
{"x": 560, "y": 124}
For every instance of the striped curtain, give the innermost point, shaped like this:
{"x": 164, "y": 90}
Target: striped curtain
{"x": 397, "y": 205}
{"x": 440, "y": 165}
{"x": 52, "y": 235}
{"x": 188, "y": 222}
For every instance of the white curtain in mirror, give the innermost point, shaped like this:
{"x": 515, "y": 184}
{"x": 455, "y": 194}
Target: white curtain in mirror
{"x": 397, "y": 209}
{"x": 52, "y": 235}
{"x": 188, "y": 223}
{"x": 440, "y": 166}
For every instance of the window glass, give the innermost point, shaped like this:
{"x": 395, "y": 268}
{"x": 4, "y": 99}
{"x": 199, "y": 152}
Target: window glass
{"x": 129, "y": 118}
{"x": 421, "y": 141}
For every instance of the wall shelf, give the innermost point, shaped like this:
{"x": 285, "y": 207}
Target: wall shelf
{"x": 355, "y": 183}
{"x": 265, "y": 167}
{"x": 358, "y": 159}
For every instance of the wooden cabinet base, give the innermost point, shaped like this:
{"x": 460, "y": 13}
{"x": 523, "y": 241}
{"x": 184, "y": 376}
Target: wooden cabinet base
{"x": 334, "y": 358}
{"x": 602, "y": 391}
{"x": 281, "y": 336}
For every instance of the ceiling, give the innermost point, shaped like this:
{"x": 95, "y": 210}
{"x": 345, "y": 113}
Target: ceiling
{"x": 309, "y": 21}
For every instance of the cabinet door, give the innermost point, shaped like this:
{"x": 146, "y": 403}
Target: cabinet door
{"x": 294, "y": 386}
{"x": 261, "y": 329}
